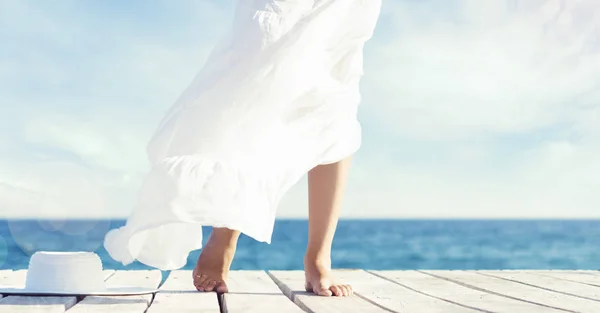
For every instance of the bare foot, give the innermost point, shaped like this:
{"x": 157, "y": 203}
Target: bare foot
{"x": 319, "y": 279}
{"x": 213, "y": 264}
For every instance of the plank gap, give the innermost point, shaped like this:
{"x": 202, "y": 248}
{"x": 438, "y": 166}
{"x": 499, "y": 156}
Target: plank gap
{"x": 288, "y": 292}
{"x": 178, "y": 294}
{"x": 222, "y": 303}
{"x": 151, "y": 301}
{"x": 256, "y": 292}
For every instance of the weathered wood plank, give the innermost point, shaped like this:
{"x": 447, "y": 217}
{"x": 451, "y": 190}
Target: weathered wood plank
{"x": 394, "y": 296}
{"x": 548, "y": 283}
{"x": 519, "y": 291}
{"x": 255, "y": 292}
{"x": 462, "y": 295}
{"x": 292, "y": 284}
{"x": 139, "y": 303}
{"x": 178, "y": 294}
{"x": 34, "y": 304}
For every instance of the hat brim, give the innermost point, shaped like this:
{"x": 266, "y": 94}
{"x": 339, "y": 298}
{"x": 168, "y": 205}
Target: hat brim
{"x": 113, "y": 291}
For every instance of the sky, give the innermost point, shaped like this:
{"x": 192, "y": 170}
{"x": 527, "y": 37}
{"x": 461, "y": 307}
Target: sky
{"x": 470, "y": 109}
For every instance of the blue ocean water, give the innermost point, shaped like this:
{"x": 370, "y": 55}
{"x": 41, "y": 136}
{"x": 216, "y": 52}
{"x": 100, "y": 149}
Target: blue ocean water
{"x": 368, "y": 244}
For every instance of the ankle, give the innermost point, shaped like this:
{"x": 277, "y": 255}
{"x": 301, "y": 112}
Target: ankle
{"x": 223, "y": 237}
{"x": 317, "y": 260}
{"x": 318, "y": 251}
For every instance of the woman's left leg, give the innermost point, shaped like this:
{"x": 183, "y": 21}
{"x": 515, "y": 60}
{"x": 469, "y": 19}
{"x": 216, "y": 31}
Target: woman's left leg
{"x": 326, "y": 187}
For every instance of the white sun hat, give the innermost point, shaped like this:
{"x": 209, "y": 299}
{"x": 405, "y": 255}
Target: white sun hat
{"x": 69, "y": 274}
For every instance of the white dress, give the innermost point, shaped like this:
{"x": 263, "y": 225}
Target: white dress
{"x": 277, "y": 97}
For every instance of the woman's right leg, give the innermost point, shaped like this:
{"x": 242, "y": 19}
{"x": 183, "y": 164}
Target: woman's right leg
{"x": 215, "y": 259}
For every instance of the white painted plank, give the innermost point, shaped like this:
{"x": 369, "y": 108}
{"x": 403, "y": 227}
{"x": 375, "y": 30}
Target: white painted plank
{"x": 34, "y": 304}
{"x": 14, "y": 279}
{"x": 117, "y": 304}
{"x": 550, "y": 283}
{"x": 255, "y": 292}
{"x": 519, "y": 291}
{"x": 592, "y": 273}
{"x": 591, "y": 280}
{"x": 108, "y": 274}
{"x": 394, "y": 296}
{"x": 544, "y": 271}
{"x": 582, "y": 272}
{"x": 17, "y": 304}
{"x": 466, "y": 296}
{"x": 292, "y": 284}
{"x": 178, "y": 294}
{"x": 4, "y": 274}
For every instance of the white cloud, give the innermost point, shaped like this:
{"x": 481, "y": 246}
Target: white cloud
{"x": 507, "y": 97}
{"x": 86, "y": 93}
{"x": 50, "y": 189}
{"x": 488, "y": 68}
{"x": 471, "y": 108}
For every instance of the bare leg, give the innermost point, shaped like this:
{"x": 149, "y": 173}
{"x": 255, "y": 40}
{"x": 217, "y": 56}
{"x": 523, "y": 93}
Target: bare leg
{"x": 326, "y": 186}
{"x": 213, "y": 264}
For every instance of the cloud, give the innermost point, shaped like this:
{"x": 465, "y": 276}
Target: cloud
{"x": 470, "y": 108}
{"x": 45, "y": 192}
{"x": 80, "y": 91}
{"x": 487, "y": 108}
{"x": 490, "y": 68}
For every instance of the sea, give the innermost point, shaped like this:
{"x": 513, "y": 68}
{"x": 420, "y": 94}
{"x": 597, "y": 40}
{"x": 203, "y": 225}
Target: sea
{"x": 368, "y": 244}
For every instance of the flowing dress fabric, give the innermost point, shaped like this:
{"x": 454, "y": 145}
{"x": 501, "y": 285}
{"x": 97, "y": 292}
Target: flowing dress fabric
{"x": 276, "y": 97}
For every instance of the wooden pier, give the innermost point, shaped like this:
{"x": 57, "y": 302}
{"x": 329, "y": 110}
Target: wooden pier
{"x": 375, "y": 291}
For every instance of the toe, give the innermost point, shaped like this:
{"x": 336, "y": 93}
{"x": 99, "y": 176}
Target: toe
{"x": 322, "y": 290}
{"x": 210, "y": 286}
{"x": 204, "y": 283}
{"x": 199, "y": 281}
{"x": 221, "y": 287}
{"x": 345, "y": 290}
{"x": 349, "y": 290}
{"x": 337, "y": 291}
{"x": 308, "y": 287}
{"x": 200, "y": 278}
